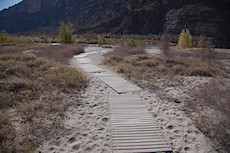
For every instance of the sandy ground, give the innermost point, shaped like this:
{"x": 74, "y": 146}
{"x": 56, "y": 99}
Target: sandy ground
{"x": 87, "y": 125}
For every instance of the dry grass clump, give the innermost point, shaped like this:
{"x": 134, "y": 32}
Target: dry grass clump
{"x": 126, "y": 51}
{"x": 212, "y": 110}
{"x": 7, "y": 134}
{"x": 147, "y": 69}
{"x": 58, "y": 53}
{"x": 34, "y": 95}
{"x": 14, "y": 48}
{"x": 61, "y": 53}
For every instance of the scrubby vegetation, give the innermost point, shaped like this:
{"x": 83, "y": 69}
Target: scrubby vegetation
{"x": 66, "y": 33}
{"x": 205, "y": 42}
{"x": 126, "y": 51}
{"x": 213, "y": 97}
{"x": 146, "y": 70}
{"x": 34, "y": 95}
{"x": 164, "y": 44}
{"x": 4, "y": 37}
{"x": 60, "y": 53}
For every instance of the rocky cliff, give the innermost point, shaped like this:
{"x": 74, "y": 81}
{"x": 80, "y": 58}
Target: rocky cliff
{"x": 202, "y": 17}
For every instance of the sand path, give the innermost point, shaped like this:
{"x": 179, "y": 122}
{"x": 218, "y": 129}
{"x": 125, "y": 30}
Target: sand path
{"x": 87, "y": 123}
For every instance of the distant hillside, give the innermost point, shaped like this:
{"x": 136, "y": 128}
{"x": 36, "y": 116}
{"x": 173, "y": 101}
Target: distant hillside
{"x": 36, "y": 15}
{"x": 201, "y": 17}
{"x": 206, "y": 17}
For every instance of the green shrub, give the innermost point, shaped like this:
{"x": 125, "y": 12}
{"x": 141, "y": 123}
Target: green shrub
{"x": 66, "y": 33}
{"x": 130, "y": 43}
{"x": 4, "y": 37}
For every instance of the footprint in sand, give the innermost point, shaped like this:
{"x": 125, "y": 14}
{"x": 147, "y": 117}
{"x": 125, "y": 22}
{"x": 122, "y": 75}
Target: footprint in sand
{"x": 170, "y": 127}
{"x": 187, "y": 149}
{"x": 71, "y": 140}
{"x": 176, "y": 131}
{"x": 76, "y": 147}
{"x": 105, "y": 119}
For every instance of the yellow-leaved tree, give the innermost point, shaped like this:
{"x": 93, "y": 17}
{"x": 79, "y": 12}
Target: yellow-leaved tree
{"x": 185, "y": 39}
{"x": 100, "y": 40}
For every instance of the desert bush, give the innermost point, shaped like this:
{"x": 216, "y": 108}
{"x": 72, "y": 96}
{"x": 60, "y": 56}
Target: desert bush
{"x": 100, "y": 40}
{"x": 122, "y": 68}
{"x": 185, "y": 39}
{"x": 204, "y": 42}
{"x": 126, "y": 51}
{"x": 44, "y": 39}
{"x": 130, "y": 43}
{"x": 66, "y": 33}
{"x": 207, "y": 48}
{"x": 61, "y": 53}
{"x": 4, "y": 37}
{"x": 112, "y": 60}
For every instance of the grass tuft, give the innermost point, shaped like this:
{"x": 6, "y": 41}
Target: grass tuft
{"x": 126, "y": 51}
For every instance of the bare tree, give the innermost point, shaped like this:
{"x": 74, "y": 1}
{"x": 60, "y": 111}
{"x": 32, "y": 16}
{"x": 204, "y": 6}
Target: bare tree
{"x": 164, "y": 44}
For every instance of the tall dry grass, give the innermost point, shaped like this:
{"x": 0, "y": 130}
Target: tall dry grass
{"x": 34, "y": 95}
{"x": 61, "y": 53}
{"x": 146, "y": 70}
{"x": 126, "y": 51}
{"x": 211, "y": 112}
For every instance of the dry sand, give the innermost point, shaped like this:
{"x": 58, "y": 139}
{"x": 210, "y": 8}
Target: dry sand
{"x": 87, "y": 127}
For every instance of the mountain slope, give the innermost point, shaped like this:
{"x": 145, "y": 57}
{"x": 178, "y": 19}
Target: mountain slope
{"x": 30, "y": 15}
{"x": 201, "y": 17}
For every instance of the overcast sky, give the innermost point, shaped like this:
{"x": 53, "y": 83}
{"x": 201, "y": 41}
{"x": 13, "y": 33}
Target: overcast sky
{"x": 8, "y": 3}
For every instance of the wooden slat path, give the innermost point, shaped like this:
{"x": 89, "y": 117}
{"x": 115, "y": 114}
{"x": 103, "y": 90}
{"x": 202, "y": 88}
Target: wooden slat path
{"x": 117, "y": 83}
{"x": 133, "y": 128}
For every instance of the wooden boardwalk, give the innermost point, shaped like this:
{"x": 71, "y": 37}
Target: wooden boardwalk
{"x": 133, "y": 128}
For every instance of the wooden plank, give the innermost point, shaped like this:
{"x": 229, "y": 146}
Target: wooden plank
{"x": 135, "y": 132}
{"x": 132, "y": 126}
{"x": 136, "y": 138}
{"x": 168, "y": 150}
{"x": 143, "y": 146}
{"x": 140, "y": 141}
{"x": 130, "y": 145}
